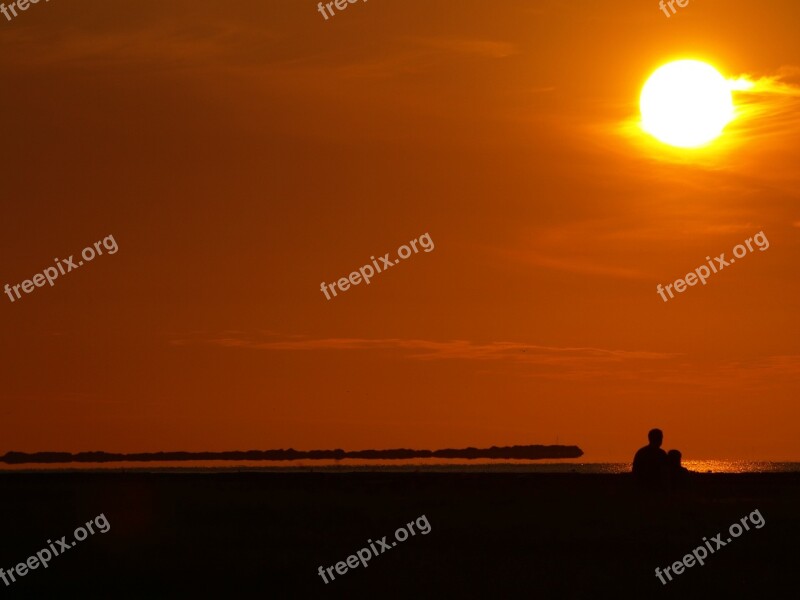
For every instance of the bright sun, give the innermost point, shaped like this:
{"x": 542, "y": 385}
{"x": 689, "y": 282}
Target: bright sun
{"x": 686, "y": 103}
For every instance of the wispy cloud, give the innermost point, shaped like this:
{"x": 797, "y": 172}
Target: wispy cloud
{"x": 165, "y": 45}
{"x": 517, "y": 352}
{"x": 477, "y": 47}
{"x": 615, "y": 247}
{"x": 567, "y": 363}
{"x": 768, "y": 106}
{"x": 576, "y": 264}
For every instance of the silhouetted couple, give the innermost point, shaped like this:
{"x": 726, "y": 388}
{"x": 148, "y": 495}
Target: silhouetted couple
{"x": 653, "y": 467}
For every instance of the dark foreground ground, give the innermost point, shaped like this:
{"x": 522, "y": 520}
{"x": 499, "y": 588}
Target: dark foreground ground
{"x": 258, "y": 535}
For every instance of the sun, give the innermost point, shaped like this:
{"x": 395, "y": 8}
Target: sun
{"x": 686, "y": 103}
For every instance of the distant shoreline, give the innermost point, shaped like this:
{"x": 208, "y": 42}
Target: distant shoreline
{"x": 533, "y": 452}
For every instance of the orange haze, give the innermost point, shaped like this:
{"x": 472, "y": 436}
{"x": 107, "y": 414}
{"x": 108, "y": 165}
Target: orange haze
{"x": 242, "y": 153}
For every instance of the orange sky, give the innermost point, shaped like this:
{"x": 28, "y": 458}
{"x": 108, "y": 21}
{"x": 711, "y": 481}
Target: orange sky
{"x": 242, "y": 153}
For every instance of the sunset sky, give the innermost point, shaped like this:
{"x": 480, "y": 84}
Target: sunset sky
{"x": 241, "y": 153}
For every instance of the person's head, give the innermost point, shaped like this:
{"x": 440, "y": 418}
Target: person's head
{"x": 674, "y": 457}
{"x": 656, "y": 437}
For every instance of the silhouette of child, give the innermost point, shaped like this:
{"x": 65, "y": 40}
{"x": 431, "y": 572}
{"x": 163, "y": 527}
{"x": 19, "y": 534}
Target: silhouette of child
{"x": 677, "y": 474}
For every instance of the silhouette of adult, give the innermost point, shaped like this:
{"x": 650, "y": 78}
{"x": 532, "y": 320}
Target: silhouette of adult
{"x": 650, "y": 462}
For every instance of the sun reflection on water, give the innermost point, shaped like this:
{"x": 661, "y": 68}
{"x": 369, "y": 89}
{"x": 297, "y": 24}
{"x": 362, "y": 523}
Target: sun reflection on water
{"x": 731, "y": 466}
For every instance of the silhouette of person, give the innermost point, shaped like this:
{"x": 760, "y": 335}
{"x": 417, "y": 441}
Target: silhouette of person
{"x": 650, "y": 462}
{"x": 676, "y": 473}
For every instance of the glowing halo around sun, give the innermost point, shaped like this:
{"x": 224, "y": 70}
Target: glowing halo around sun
{"x": 686, "y": 103}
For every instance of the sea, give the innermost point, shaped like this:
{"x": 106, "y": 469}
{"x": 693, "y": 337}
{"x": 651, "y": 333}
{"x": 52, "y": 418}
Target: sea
{"x": 411, "y": 466}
